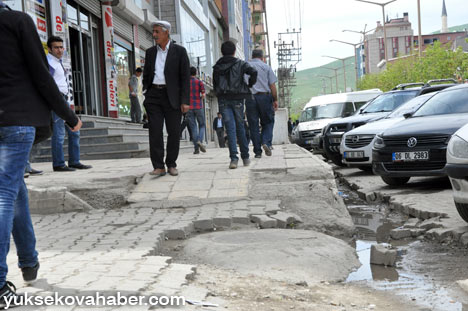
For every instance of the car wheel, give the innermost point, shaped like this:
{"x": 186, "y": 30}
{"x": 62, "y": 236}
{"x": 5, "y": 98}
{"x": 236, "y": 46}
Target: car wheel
{"x": 462, "y": 210}
{"x": 365, "y": 168}
{"x": 337, "y": 160}
{"x": 395, "y": 181}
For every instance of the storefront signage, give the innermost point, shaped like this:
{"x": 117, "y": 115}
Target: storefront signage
{"x": 16, "y": 5}
{"x": 36, "y": 9}
{"x": 108, "y": 32}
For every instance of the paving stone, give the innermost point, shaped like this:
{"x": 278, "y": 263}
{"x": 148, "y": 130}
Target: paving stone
{"x": 383, "y": 254}
{"x": 431, "y": 223}
{"x": 203, "y": 223}
{"x": 417, "y": 232}
{"x": 400, "y": 233}
{"x": 440, "y": 234}
{"x": 286, "y": 219}
{"x": 411, "y": 223}
{"x": 241, "y": 217}
{"x": 222, "y": 220}
{"x": 264, "y": 221}
{"x": 464, "y": 239}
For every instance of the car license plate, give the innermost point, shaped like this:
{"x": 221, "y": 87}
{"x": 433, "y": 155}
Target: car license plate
{"x": 410, "y": 156}
{"x": 353, "y": 154}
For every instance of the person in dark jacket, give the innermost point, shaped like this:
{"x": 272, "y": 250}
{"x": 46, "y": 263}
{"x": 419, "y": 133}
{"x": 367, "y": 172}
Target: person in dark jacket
{"x": 232, "y": 91}
{"x": 166, "y": 83}
{"x": 27, "y": 95}
{"x": 218, "y": 125}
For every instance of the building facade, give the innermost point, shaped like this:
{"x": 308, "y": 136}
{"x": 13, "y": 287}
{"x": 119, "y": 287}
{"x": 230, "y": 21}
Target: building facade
{"x": 399, "y": 43}
{"x": 259, "y": 27}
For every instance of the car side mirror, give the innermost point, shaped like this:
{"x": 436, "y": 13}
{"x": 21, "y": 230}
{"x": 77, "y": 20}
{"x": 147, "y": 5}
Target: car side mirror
{"x": 407, "y": 115}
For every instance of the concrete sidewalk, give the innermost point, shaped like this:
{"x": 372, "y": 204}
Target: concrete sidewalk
{"x": 110, "y": 240}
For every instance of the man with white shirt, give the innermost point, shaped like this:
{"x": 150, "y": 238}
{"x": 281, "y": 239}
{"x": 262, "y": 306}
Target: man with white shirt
{"x": 166, "y": 83}
{"x": 58, "y": 72}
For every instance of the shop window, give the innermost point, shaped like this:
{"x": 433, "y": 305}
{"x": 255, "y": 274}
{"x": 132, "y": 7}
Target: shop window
{"x": 123, "y": 59}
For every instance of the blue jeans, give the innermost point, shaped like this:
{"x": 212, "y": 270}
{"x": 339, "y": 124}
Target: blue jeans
{"x": 195, "y": 116}
{"x": 58, "y": 136}
{"x": 233, "y": 115}
{"x": 15, "y": 146}
{"x": 260, "y": 107}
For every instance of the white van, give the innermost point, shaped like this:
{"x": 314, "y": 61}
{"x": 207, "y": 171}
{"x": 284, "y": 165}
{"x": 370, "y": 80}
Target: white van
{"x": 321, "y": 110}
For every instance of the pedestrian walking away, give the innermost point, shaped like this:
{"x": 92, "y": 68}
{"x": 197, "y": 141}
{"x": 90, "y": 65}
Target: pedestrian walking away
{"x": 135, "y": 109}
{"x": 196, "y": 114}
{"x": 260, "y": 108}
{"x": 232, "y": 91}
{"x": 218, "y": 125}
{"x": 27, "y": 94}
{"x": 58, "y": 72}
{"x": 166, "y": 83}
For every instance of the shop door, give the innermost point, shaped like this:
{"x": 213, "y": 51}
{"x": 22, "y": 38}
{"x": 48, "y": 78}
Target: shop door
{"x": 84, "y": 61}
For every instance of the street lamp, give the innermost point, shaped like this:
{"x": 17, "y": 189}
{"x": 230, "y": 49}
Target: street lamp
{"x": 384, "y": 28}
{"x": 336, "y": 75}
{"x": 344, "y": 67}
{"x": 354, "y": 45}
{"x": 419, "y": 31}
{"x": 331, "y": 83}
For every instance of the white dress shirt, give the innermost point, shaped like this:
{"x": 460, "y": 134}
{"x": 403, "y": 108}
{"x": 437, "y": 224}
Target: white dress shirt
{"x": 159, "y": 64}
{"x": 58, "y": 73}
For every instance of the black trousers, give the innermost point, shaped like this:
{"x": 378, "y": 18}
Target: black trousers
{"x": 160, "y": 111}
{"x": 220, "y": 133}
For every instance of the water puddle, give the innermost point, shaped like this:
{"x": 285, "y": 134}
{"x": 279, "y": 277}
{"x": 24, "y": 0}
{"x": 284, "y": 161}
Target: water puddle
{"x": 424, "y": 272}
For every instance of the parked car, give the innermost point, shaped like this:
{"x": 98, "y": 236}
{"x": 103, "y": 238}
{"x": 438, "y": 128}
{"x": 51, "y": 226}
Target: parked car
{"x": 321, "y": 110}
{"x": 378, "y": 109}
{"x": 417, "y": 145}
{"x": 381, "y": 107}
{"x": 457, "y": 169}
{"x": 356, "y": 145}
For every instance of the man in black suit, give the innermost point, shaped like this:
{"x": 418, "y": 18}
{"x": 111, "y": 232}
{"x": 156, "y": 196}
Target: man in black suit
{"x": 166, "y": 83}
{"x": 218, "y": 125}
{"x": 27, "y": 94}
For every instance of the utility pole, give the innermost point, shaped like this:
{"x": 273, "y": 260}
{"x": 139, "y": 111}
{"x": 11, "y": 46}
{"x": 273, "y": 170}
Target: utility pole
{"x": 344, "y": 68}
{"x": 354, "y": 45}
{"x": 331, "y": 82}
{"x": 289, "y": 55}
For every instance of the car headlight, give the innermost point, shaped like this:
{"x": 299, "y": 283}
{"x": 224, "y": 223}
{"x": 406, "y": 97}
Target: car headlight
{"x": 379, "y": 142}
{"x": 458, "y": 147}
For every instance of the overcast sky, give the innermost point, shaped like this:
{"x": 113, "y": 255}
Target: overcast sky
{"x": 323, "y": 20}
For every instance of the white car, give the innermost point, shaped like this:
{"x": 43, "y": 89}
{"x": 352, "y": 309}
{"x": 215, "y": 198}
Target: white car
{"x": 356, "y": 145}
{"x": 457, "y": 169}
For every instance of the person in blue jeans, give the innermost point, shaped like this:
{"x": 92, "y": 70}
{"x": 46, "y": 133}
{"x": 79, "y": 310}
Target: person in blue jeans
{"x": 261, "y": 107}
{"x": 27, "y": 94}
{"x": 232, "y": 91}
{"x": 59, "y": 73}
{"x": 196, "y": 114}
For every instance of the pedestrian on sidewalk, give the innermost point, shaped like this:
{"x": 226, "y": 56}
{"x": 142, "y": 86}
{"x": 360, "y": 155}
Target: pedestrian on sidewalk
{"x": 184, "y": 125}
{"x": 166, "y": 83}
{"x": 135, "y": 109}
{"x": 59, "y": 73}
{"x": 232, "y": 91}
{"x": 261, "y": 107}
{"x": 196, "y": 114}
{"x": 27, "y": 94}
{"x": 218, "y": 125}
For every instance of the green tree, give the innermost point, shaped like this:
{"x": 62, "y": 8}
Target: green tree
{"x": 438, "y": 62}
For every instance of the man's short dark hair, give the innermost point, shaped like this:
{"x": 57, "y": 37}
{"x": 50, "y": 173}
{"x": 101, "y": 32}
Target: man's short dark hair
{"x": 53, "y": 39}
{"x": 193, "y": 71}
{"x": 139, "y": 69}
{"x": 228, "y": 48}
{"x": 219, "y": 112}
{"x": 257, "y": 53}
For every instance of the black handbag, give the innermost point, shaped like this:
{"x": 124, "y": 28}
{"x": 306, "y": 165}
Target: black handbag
{"x": 43, "y": 132}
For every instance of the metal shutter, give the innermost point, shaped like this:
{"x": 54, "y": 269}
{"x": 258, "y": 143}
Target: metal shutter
{"x": 145, "y": 38}
{"x": 93, "y": 6}
{"x": 122, "y": 27}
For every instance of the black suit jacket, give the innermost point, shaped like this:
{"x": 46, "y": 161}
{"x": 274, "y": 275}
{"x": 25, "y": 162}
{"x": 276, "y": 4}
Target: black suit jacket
{"x": 215, "y": 123}
{"x": 176, "y": 72}
{"x": 27, "y": 90}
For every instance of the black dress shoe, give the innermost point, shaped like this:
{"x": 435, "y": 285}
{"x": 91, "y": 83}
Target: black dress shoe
{"x": 63, "y": 169}
{"x": 35, "y": 172}
{"x": 81, "y": 166}
{"x": 30, "y": 273}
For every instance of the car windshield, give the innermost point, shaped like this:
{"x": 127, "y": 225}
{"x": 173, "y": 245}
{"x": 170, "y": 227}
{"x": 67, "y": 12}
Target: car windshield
{"x": 322, "y": 112}
{"x": 448, "y": 102}
{"x": 410, "y": 106}
{"x": 389, "y": 101}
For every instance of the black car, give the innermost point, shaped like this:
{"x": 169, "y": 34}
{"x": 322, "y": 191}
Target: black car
{"x": 378, "y": 109}
{"x": 417, "y": 146}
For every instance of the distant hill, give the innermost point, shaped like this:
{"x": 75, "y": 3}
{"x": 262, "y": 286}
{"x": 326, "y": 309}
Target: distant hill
{"x": 309, "y": 83}
{"x": 454, "y": 28}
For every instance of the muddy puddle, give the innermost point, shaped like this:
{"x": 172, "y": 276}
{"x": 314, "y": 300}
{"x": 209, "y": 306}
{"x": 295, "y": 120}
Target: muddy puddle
{"x": 425, "y": 272}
